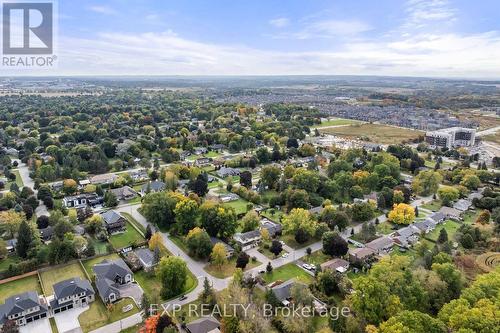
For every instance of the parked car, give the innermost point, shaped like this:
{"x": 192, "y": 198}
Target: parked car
{"x": 284, "y": 255}
{"x": 183, "y": 297}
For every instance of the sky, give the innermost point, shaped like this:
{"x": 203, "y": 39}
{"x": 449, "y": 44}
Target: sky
{"x": 433, "y": 38}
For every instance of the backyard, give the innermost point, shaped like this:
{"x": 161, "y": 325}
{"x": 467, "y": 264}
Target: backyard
{"x": 240, "y": 206}
{"x": 19, "y": 286}
{"x": 58, "y": 274}
{"x": 434, "y": 205}
{"x": 287, "y": 272}
{"x": 152, "y": 285}
{"x": 451, "y": 228}
{"x": 91, "y": 262}
{"x": 129, "y": 237}
{"x": 229, "y": 268}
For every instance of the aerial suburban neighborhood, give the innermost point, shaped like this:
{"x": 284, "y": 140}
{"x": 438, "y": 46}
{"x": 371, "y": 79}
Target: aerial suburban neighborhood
{"x": 249, "y": 167}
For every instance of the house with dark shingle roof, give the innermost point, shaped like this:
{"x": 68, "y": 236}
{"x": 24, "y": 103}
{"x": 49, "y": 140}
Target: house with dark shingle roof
{"x": 229, "y": 248}
{"x": 124, "y": 193}
{"x": 247, "y": 240}
{"x": 71, "y": 293}
{"x": 152, "y": 186}
{"x": 146, "y": 258}
{"x": 113, "y": 221}
{"x": 381, "y": 245}
{"x": 204, "y": 325}
{"x": 23, "y": 308}
{"x": 110, "y": 275}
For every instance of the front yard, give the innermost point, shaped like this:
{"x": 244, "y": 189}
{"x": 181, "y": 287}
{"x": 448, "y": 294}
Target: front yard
{"x": 151, "y": 284}
{"x": 434, "y": 205}
{"x": 287, "y": 272}
{"x": 316, "y": 258}
{"x": 99, "y": 315}
{"x": 228, "y": 269}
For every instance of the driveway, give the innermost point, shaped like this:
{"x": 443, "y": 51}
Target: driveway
{"x": 132, "y": 290}
{"x": 67, "y": 321}
{"x": 38, "y": 326}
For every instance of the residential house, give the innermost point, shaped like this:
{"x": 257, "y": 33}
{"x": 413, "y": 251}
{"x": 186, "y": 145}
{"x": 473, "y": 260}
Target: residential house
{"x": 104, "y": 179}
{"x": 10, "y": 245}
{"x": 23, "y": 308}
{"x": 336, "y": 264}
{"x": 71, "y": 293}
{"x": 146, "y": 258}
{"x": 229, "y": 248}
{"x": 110, "y": 277}
{"x": 153, "y": 186}
{"x": 200, "y": 150}
{"x": 124, "y": 193}
{"x": 247, "y": 240}
{"x": 451, "y": 213}
{"x": 361, "y": 255}
{"x": 217, "y": 147}
{"x": 203, "y": 161}
{"x": 139, "y": 175}
{"x": 273, "y": 228}
{"x": 283, "y": 294}
{"x": 228, "y": 197}
{"x": 46, "y": 234}
{"x": 426, "y": 225}
{"x": 204, "y": 325}
{"x": 57, "y": 186}
{"x": 316, "y": 210}
{"x": 407, "y": 236}
{"x": 224, "y": 172}
{"x": 462, "y": 205}
{"x": 113, "y": 221}
{"x": 381, "y": 245}
{"x": 82, "y": 200}
{"x": 437, "y": 217}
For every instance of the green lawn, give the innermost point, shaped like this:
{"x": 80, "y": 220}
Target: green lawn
{"x": 129, "y": 237}
{"x": 54, "y": 275}
{"x": 18, "y": 181}
{"x": 434, "y": 205}
{"x": 290, "y": 241}
{"x": 267, "y": 252}
{"x": 91, "y": 262}
{"x": 98, "y": 314}
{"x": 212, "y": 154}
{"x": 240, "y": 206}
{"x": 214, "y": 184}
{"x": 180, "y": 243}
{"x": 470, "y": 217}
{"x": 336, "y": 122}
{"x": 228, "y": 269}
{"x": 53, "y": 325}
{"x": 7, "y": 261}
{"x": 19, "y": 286}
{"x": 287, "y": 272}
{"x": 273, "y": 217}
{"x": 451, "y": 228}
{"x": 152, "y": 285}
{"x": 316, "y": 258}
{"x": 101, "y": 248}
{"x": 384, "y": 228}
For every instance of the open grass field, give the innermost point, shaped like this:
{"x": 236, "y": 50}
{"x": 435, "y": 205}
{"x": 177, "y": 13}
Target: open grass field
{"x": 127, "y": 238}
{"x": 91, "y": 262}
{"x": 316, "y": 258}
{"x": 495, "y": 138}
{"x": 434, "y": 205}
{"x": 273, "y": 217}
{"x": 382, "y": 134}
{"x": 287, "y": 272}
{"x": 58, "y": 274}
{"x": 290, "y": 241}
{"x": 98, "y": 315}
{"x": 228, "y": 269}
{"x": 336, "y": 122}
{"x": 240, "y": 206}
{"x": 451, "y": 228}
{"x": 152, "y": 285}
{"x": 19, "y": 286}
{"x": 470, "y": 217}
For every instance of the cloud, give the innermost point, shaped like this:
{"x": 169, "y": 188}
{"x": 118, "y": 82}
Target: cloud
{"x": 422, "y": 13}
{"x": 326, "y": 29}
{"x": 280, "y": 22}
{"x": 103, "y": 10}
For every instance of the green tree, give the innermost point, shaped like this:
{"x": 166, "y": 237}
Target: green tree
{"x": 186, "y": 215}
{"x": 334, "y": 244}
{"x": 172, "y": 272}
{"x": 448, "y": 194}
{"x": 414, "y": 322}
{"x": 250, "y": 221}
{"x": 218, "y": 220}
{"x": 198, "y": 243}
{"x": 299, "y": 220}
{"x": 24, "y": 240}
{"x": 426, "y": 182}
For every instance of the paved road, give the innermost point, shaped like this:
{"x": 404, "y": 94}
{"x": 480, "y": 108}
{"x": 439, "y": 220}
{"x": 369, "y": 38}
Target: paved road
{"x": 24, "y": 172}
{"x": 488, "y": 131}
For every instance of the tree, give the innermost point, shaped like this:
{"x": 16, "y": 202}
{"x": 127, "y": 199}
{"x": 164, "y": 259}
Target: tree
{"x": 471, "y": 181}
{"x": 110, "y": 199}
{"x": 306, "y": 180}
{"x": 426, "y": 182}
{"x": 467, "y": 241}
{"x": 362, "y": 211}
{"x": 269, "y": 267}
{"x": 198, "y": 243}
{"x": 250, "y": 221}
{"x": 270, "y": 175}
{"x": 398, "y": 197}
{"x": 334, "y": 218}
{"x": 219, "y": 255}
{"x": 301, "y": 294}
{"x": 242, "y": 260}
{"x": 11, "y": 220}
{"x": 156, "y": 241}
{"x": 448, "y": 194}
{"x": 94, "y": 224}
{"x": 246, "y": 179}
{"x": 218, "y": 220}
{"x": 334, "y": 244}
{"x": 186, "y": 214}
{"x": 172, "y": 272}
{"x": 276, "y": 247}
{"x": 148, "y": 232}
{"x": 412, "y": 321}
{"x": 443, "y": 236}
{"x": 484, "y": 217}
{"x": 299, "y": 220}
{"x": 158, "y": 208}
{"x": 24, "y": 240}
{"x": 200, "y": 185}
{"x": 264, "y": 233}
{"x": 70, "y": 186}
{"x": 3, "y": 249}
{"x": 402, "y": 214}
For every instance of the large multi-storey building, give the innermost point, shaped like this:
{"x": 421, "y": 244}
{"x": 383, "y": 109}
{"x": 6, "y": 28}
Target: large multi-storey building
{"x": 451, "y": 137}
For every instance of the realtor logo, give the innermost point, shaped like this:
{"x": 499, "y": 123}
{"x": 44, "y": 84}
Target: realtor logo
{"x": 27, "y": 28}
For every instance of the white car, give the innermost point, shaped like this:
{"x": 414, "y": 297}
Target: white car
{"x": 306, "y": 266}
{"x": 284, "y": 255}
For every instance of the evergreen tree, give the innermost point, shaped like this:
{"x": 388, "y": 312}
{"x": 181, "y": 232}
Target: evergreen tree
{"x": 24, "y": 240}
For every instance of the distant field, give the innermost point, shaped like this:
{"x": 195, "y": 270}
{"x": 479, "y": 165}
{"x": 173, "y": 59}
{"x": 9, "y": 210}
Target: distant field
{"x": 492, "y": 138}
{"x": 336, "y": 122}
{"x": 374, "y": 133}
